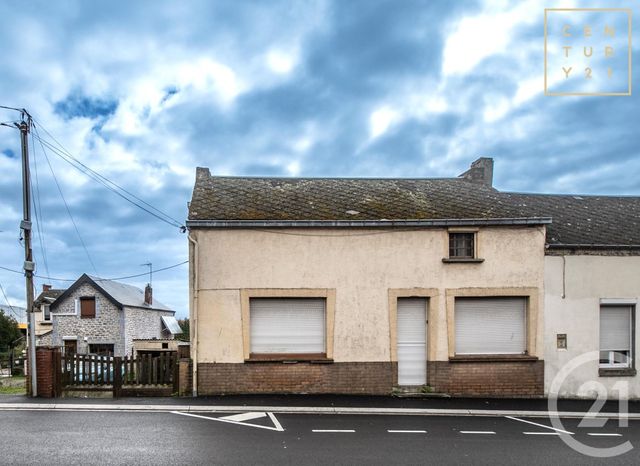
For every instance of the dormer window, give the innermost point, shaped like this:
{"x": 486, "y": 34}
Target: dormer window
{"x": 46, "y": 313}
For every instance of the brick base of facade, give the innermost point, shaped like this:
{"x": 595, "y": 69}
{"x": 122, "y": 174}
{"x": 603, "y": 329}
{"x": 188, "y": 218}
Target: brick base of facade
{"x": 370, "y": 378}
{"x": 504, "y": 379}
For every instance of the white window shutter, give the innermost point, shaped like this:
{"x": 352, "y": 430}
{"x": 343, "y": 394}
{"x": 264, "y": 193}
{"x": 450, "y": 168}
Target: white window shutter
{"x": 77, "y": 305}
{"x": 615, "y": 328}
{"x": 490, "y": 325}
{"x": 287, "y": 325}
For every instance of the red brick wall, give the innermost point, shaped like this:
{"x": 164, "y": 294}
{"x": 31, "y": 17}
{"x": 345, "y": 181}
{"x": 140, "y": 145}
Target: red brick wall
{"x": 46, "y": 370}
{"x": 504, "y": 379}
{"x": 372, "y": 378}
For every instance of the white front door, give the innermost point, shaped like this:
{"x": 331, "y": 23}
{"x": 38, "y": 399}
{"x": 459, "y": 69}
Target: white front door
{"x": 412, "y": 341}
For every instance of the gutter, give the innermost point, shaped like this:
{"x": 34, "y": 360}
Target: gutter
{"x": 366, "y": 223}
{"x": 593, "y": 246}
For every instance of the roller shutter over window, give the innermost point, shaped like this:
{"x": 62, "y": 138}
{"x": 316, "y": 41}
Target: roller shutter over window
{"x": 287, "y": 325}
{"x": 615, "y": 335}
{"x": 490, "y": 325}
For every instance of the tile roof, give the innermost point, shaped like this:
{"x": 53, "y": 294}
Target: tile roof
{"x": 576, "y": 220}
{"x": 584, "y": 220}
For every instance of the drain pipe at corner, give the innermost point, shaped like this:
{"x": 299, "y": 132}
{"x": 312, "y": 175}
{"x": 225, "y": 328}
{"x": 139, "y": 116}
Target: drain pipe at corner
{"x": 193, "y": 325}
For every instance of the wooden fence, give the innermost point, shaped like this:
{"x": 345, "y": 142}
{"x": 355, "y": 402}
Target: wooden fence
{"x": 125, "y": 376}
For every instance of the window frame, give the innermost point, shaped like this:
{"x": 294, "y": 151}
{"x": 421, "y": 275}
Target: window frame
{"x": 450, "y": 248}
{"x": 525, "y": 335}
{"x": 328, "y": 294}
{"x": 46, "y": 313}
{"x": 95, "y": 307}
{"x": 534, "y": 345}
{"x": 611, "y": 365}
{"x": 454, "y": 247}
{"x": 108, "y": 353}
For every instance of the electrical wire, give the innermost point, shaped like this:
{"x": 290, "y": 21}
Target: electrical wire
{"x": 37, "y": 208}
{"x": 112, "y": 186}
{"x": 101, "y": 279}
{"x": 84, "y": 246}
{"x": 8, "y": 303}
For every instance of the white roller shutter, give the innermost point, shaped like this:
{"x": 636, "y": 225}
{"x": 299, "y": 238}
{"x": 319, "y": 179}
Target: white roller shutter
{"x": 412, "y": 344}
{"x": 490, "y": 325}
{"x": 615, "y": 328}
{"x": 287, "y": 325}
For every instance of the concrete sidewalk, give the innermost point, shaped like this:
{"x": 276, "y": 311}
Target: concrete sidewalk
{"x": 326, "y": 404}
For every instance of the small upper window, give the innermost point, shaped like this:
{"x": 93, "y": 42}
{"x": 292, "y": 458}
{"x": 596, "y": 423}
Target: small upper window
{"x": 87, "y": 308}
{"x": 461, "y": 245}
{"x": 46, "y": 313}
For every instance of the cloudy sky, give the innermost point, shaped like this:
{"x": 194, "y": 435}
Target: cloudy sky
{"x": 142, "y": 92}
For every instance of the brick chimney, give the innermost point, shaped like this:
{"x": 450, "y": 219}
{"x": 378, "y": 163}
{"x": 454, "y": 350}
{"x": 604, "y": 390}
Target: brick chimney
{"x": 148, "y": 295}
{"x": 481, "y": 172}
{"x": 46, "y": 288}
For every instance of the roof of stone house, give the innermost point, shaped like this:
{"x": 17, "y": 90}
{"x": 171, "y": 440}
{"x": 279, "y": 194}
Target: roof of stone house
{"x": 118, "y": 293}
{"x": 575, "y": 220}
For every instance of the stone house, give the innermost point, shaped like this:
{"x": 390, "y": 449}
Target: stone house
{"x": 101, "y": 316}
{"x": 315, "y": 285}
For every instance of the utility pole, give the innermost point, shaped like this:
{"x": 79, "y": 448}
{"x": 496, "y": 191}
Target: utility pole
{"x": 29, "y": 264}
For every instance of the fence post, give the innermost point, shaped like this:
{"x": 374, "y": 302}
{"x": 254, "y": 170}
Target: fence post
{"x": 176, "y": 372}
{"x": 57, "y": 357}
{"x": 117, "y": 376}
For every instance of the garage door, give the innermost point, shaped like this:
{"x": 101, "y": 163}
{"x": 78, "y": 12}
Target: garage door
{"x": 412, "y": 341}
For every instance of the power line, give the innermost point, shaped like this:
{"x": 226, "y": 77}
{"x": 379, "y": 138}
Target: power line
{"x": 112, "y": 186}
{"x": 12, "y": 108}
{"x": 115, "y": 278}
{"x": 8, "y": 303}
{"x": 37, "y": 207}
{"x": 84, "y": 246}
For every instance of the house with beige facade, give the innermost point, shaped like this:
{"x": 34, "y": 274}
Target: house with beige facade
{"x": 316, "y": 285}
{"x": 99, "y": 316}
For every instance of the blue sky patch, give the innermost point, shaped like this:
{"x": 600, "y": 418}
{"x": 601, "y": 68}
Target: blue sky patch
{"x": 80, "y": 106}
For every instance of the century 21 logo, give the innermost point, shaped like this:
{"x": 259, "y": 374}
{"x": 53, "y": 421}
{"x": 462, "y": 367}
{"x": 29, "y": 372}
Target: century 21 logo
{"x": 587, "y": 51}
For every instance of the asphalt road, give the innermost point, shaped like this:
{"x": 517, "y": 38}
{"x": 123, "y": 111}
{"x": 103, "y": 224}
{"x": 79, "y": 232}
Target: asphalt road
{"x": 68, "y": 437}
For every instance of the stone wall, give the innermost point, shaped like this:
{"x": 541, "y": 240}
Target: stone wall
{"x": 141, "y": 323}
{"x": 106, "y": 327}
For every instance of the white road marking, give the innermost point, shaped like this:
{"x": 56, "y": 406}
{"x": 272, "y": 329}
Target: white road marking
{"x": 332, "y": 430}
{"x": 539, "y": 425}
{"x": 597, "y": 434}
{"x": 482, "y": 432}
{"x": 277, "y": 427}
{"x": 407, "y": 431}
{"x": 276, "y": 423}
{"x": 541, "y": 433}
{"x": 244, "y": 416}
